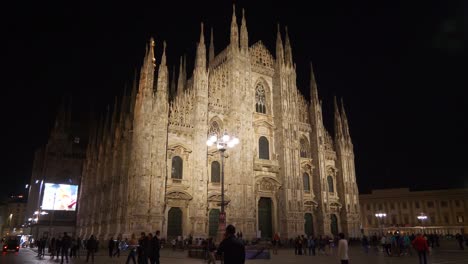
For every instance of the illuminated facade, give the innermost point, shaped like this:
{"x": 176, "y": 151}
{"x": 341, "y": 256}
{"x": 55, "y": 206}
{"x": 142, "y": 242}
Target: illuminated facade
{"x": 148, "y": 167}
{"x": 446, "y": 210}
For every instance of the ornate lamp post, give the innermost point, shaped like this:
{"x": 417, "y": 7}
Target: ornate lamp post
{"x": 422, "y": 217}
{"x": 222, "y": 142}
{"x": 381, "y": 216}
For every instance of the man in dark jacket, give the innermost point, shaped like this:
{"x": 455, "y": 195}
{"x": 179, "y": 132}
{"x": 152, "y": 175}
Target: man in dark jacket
{"x": 91, "y": 246}
{"x": 156, "y": 246}
{"x": 231, "y": 247}
{"x": 66, "y": 243}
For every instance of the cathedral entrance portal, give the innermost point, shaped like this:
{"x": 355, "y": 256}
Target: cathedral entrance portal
{"x": 174, "y": 222}
{"x": 214, "y": 222}
{"x": 265, "y": 218}
{"x": 334, "y": 224}
{"x": 309, "y": 224}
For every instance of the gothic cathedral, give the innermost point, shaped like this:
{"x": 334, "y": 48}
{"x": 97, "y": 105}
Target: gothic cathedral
{"x": 148, "y": 166}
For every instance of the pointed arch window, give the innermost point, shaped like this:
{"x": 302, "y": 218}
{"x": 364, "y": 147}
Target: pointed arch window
{"x": 177, "y": 168}
{"x": 306, "y": 182}
{"x": 260, "y": 102}
{"x": 330, "y": 184}
{"x": 215, "y": 171}
{"x": 304, "y": 148}
{"x": 263, "y": 148}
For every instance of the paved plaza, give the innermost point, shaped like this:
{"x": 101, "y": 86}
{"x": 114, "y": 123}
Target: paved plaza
{"x": 446, "y": 254}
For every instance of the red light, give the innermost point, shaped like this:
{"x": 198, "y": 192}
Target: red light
{"x": 17, "y": 247}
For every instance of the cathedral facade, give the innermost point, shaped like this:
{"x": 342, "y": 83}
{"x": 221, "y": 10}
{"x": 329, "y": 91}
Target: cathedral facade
{"x": 148, "y": 166}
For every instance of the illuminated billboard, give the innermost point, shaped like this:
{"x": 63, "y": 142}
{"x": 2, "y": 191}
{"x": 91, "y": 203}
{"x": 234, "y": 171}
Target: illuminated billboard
{"x": 60, "y": 197}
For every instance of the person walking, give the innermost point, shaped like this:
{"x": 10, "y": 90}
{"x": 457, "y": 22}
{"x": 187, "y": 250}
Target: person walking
{"x": 132, "y": 246}
{"x": 211, "y": 247}
{"x": 311, "y": 245}
{"x": 91, "y": 247}
{"x": 117, "y": 246}
{"x": 275, "y": 241}
{"x": 155, "y": 247}
{"x": 66, "y": 244}
{"x": 343, "y": 249}
{"x": 110, "y": 246}
{"x": 365, "y": 244}
{"x": 52, "y": 245}
{"x": 142, "y": 249}
{"x": 420, "y": 245}
{"x": 231, "y": 248}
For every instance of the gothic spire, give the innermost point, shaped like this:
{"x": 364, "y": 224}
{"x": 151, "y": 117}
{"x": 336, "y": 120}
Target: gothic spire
{"x": 106, "y": 125}
{"x": 115, "y": 110}
{"x": 244, "y": 35}
{"x": 287, "y": 50}
{"x": 211, "y": 52}
{"x": 279, "y": 47}
{"x": 147, "y": 70}
{"x": 163, "y": 78}
{"x": 234, "y": 30}
{"x": 201, "y": 51}
{"x": 338, "y": 124}
{"x": 181, "y": 80}
{"x": 133, "y": 93}
{"x": 313, "y": 86}
{"x": 173, "y": 82}
{"x": 345, "y": 121}
{"x": 123, "y": 105}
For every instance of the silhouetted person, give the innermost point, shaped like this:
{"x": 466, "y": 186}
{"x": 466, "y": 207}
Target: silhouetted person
{"x": 155, "y": 247}
{"x": 91, "y": 247}
{"x": 231, "y": 247}
{"x": 110, "y": 246}
{"x": 66, "y": 244}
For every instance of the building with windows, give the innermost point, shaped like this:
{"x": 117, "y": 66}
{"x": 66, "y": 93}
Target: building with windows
{"x": 148, "y": 166}
{"x": 58, "y": 163}
{"x": 442, "y": 211}
{"x": 12, "y": 216}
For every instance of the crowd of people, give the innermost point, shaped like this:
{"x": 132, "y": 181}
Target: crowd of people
{"x": 146, "y": 249}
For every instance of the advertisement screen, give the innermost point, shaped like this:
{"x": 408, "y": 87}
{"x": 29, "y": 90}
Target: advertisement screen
{"x": 59, "y": 197}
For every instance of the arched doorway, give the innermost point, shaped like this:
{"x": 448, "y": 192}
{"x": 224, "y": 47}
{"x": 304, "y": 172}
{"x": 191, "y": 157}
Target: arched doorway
{"x": 309, "y": 224}
{"x": 265, "y": 218}
{"x": 214, "y": 222}
{"x": 174, "y": 222}
{"x": 334, "y": 224}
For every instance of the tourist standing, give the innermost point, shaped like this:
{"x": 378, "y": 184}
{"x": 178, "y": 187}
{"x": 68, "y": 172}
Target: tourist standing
{"x": 110, "y": 246}
{"x": 91, "y": 247}
{"x": 66, "y": 244}
{"x": 232, "y": 249}
{"x": 420, "y": 245}
{"x": 211, "y": 251}
{"x": 343, "y": 249}
{"x": 155, "y": 247}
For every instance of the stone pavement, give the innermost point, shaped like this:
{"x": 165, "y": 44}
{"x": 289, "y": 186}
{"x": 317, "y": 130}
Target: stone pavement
{"x": 447, "y": 254}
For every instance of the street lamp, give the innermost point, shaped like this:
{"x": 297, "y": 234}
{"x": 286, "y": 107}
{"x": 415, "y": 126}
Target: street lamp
{"x": 381, "y": 216}
{"x": 422, "y": 217}
{"x": 222, "y": 142}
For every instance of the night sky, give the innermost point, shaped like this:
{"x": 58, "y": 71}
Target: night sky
{"x": 397, "y": 65}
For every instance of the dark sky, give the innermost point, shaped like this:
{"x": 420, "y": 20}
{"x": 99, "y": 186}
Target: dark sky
{"x": 398, "y": 66}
